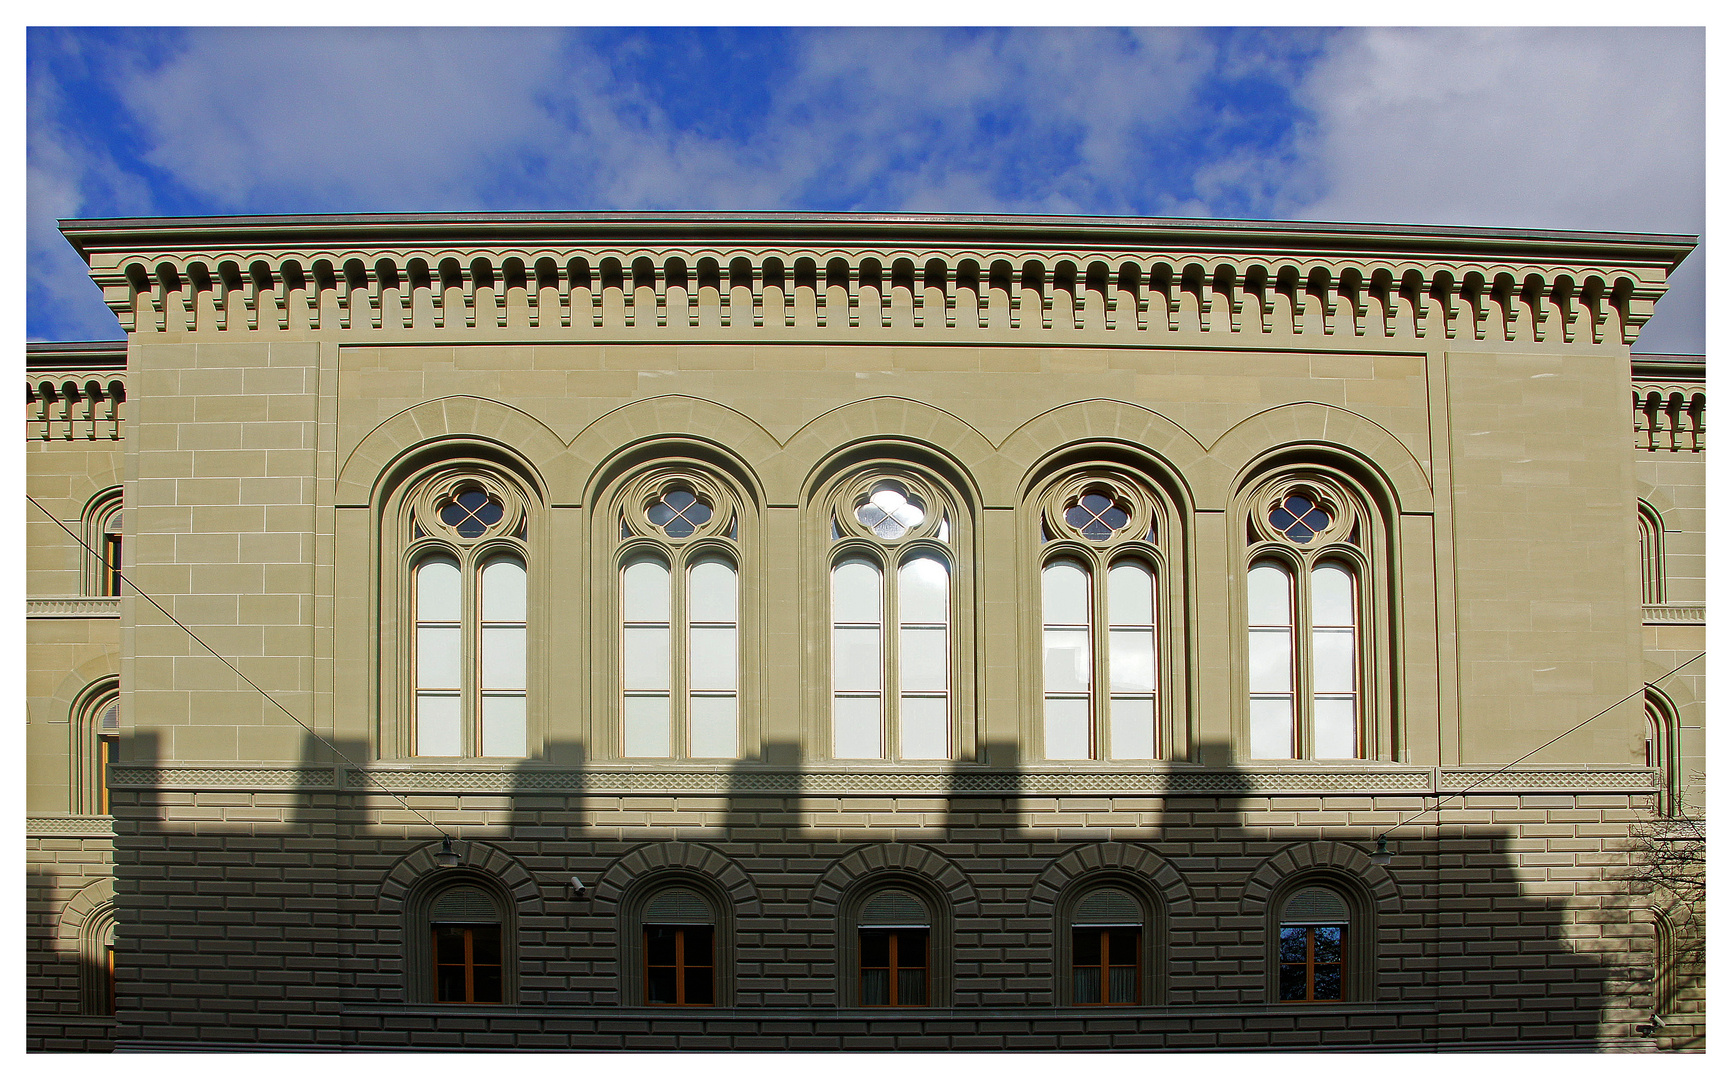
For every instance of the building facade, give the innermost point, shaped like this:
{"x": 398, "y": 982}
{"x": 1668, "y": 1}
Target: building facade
{"x": 817, "y": 631}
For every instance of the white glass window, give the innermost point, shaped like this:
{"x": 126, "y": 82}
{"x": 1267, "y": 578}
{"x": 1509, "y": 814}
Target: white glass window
{"x": 1284, "y": 655}
{"x": 1080, "y": 626}
{"x": 463, "y": 706}
{"x": 438, "y": 658}
{"x": 645, "y": 660}
{"x": 713, "y": 653}
{"x": 856, "y": 651}
{"x": 1271, "y": 657}
{"x": 1334, "y": 662}
{"x": 679, "y": 653}
{"x": 923, "y": 601}
{"x": 1068, "y": 662}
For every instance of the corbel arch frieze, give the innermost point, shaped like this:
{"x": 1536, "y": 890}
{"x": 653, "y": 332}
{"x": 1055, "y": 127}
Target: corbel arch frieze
{"x": 1142, "y": 432}
{"x": 1310, "y": 423}
{"x": 516, "y": 433}
{"x": 731, "y": 435}
{"x": 477, "y": 856}
{"x": 808, "y": 456}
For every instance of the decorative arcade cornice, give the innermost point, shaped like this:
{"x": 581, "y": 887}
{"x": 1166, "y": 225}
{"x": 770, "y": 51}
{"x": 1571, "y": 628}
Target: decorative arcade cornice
{"x": 628, "y": 276}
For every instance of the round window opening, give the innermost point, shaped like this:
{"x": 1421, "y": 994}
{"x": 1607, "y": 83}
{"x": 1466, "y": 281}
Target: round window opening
{"x": 1096, "y": 516}
{"x": 472, "y": 513}
{"x": 1299, "y": 519}
{"x": 891, "y": 511}
{"x": 679, "y": 513}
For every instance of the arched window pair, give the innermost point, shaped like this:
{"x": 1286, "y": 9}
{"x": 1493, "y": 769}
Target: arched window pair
{"x": 469, "y": 606}
{"x": 679, "y": 612}
{"x": 1103, "y": 605}
{"x": 1311, "y": 597}
{"x": 893, "y": 596}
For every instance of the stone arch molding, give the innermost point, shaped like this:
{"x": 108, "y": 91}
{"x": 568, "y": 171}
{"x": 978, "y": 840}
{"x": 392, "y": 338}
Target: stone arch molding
{"x": 478, "y": 857}
{"x": 1103, "y": 422}
{"x": 808, "y": 456}
{"x": 454, "y": 418}
{"x": 698, "y": 859}
{"x": 910, "y": 859}
{"x": 1325, "y": 427}
{"x": 670, "y": 418}
{"x": 85, "y": 904}
{"x": 1346, "y": 859}
{"x": 1133, "y": 859}
{"x": 75, "y": 687}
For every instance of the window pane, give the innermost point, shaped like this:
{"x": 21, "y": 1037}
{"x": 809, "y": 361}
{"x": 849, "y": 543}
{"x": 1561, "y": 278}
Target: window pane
{"x": 857, "y": 731}
{"x": 1132, "y": 665}
{"x": 1328, "y": 983}
{"x": 646, "y": 726}
{"x": 714, "y": 728}
{"x": 659, "y": 986}
{"x": 504, "y": 726}
{"x": 923, "y": 590}
{"x": 1088, "y": 986}
{"x": 875, "y": 987}
{"x": 438, "y": 725}
{"x": 1293, "y": 943}
{"x": 484, "y": 940}
{"x": 1067, "y": 728}
{"x": 644, "y": 592}
{"x": 1069, "y": 668}
{"x": 1271, "y": 661}
{"x": 659, "y": 944}
{"x": 646, "y": 658}
{"x": 856, "y": 659}
{"x": 489, "y": 985}
{"x": 1331, "y": 596}
{"x": 1133, "y": 734}
{"x": 503, "y": 591}
{"x": 925, "y": 660}
{"x": 1122, "y": 947}
{"x": 714, "y": 664}
{"x": 1130, "y": 594}
{"x": 874, "y": 948}
{"x": 1328, "y": 944}
{"x": 910, "y": 948}
{"x": 911, "y": 987}
{"x": 438, "y": 591}
{"x": 715, "y": 592}
{"x": 1064, "y": 594}
{"x": 1292, "y": 982}
{"x": 438, "y": 657}
{"x": 450, "y": 986}
{"x": 1271, "y": 598}
{"x": 1332, "y": 661}
{"x": 925, "y": 727}
{"x": 700, "y": 983}
{"x": 1271, "y": 727}
{"x": 1122, "y": 986}
{"x": 502, "y": 659}
{"x": 854, "y": 595}
{"x": 448, "y": 944}
{"x": 1335, "y": 730}
{"x": 1085, "y": 946}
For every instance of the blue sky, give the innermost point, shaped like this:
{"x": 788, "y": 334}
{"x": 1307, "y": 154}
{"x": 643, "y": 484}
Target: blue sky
{"x": 1597, "y": 129}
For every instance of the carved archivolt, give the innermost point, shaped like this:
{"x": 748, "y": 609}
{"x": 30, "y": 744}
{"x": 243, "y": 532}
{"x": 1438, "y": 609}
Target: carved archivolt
{"x": 1326, "y": 290}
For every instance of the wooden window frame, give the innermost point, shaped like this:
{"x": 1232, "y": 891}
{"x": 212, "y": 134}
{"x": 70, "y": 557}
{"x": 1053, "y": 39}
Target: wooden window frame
{"x": 1312, "y": 964}
{"x": 1105, "y": 967}
{"x": 893, "y": 970}
{"x": 680, "y": 966}
{"x": 1359, "y": 939}
{"x": 469, "y": 964}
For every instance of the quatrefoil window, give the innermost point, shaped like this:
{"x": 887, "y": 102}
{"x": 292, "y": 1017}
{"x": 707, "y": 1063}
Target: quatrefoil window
{"x": 891, "y": 510}
{"x": 472, "y": 513}
{"x": 1299, "y": 519}
{"x": 679, "y": 513}
{"x": 1096, "y": 516}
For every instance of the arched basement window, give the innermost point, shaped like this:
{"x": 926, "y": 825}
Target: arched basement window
{"x": 679, "y": 949}
{"x": 895, "y": 937}
{"x": 1314, "y": 925}
{"x": 1106, "y": 949}
{"x": 468, "y": 957}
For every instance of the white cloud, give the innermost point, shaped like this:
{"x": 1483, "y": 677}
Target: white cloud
{"x": 1599, "y": 129}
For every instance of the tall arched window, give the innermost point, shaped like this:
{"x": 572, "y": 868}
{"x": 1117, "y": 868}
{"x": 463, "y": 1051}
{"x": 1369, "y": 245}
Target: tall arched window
{"x": 679, "y": 609}
{"x": 892, "y": 602}
{"x": 1311, "y": 597}
{"x": 102, "y": 518}
{"x": 1101, "y": 615}
{"x": 1650, "y": 536}
{"x": 96, "y": 731}
{"x": 468, "y": 605}
{"x": 1659, "y": 748}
